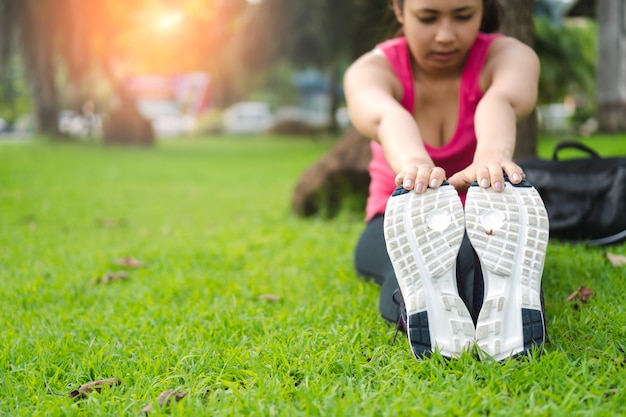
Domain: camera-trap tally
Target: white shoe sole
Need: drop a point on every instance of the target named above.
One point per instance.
(423, 233)
(509, 231)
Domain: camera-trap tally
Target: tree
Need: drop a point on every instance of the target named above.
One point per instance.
(611, 61)
(611, 69)
(568, 64)
(32, 24)
(73, 39)
(324, 34)
(13, 91)
(52, 35)
(519, 24)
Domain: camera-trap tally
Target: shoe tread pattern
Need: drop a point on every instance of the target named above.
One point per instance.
(512, 254)
(424, 254)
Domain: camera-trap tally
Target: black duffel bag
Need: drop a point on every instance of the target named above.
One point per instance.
(585, 198)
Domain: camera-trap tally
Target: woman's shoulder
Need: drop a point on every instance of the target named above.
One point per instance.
(502, 44)
(374, 59)
(375, 70)
(372, 67)
(383, 55)
(393, 43)
(506, 50)
(506, 53)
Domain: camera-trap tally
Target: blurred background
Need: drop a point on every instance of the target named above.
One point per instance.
(141, 70)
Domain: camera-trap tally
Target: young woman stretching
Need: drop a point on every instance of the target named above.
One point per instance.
(464, 235)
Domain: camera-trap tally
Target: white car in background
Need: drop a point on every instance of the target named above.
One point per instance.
(166, 117)
(247, 117)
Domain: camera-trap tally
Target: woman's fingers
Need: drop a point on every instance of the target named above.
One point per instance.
(420, 177)
(514, 172)
(488, 174)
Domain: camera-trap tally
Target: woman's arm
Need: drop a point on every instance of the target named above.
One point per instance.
(510, 96)
(373, 95)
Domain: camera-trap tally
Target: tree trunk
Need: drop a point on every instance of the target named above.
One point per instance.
(611, 69)
(7, 23)
(519, 24)
(37, 39)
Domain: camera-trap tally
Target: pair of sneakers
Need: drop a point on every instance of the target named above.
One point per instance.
(509, 232)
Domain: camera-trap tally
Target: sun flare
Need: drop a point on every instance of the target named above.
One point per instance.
(170, 20)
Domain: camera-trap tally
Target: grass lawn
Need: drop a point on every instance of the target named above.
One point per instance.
(245, 307)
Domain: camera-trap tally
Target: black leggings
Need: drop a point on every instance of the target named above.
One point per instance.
(372, 262)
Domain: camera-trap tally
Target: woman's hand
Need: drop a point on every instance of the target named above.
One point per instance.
(420, 176)
(488, 173)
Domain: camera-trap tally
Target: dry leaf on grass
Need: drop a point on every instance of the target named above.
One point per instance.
(269, 297)
(616, 260)
(129, 261)
(90, 387)
(109, 277)
(580, 296)
(111, 223)
(165, 399)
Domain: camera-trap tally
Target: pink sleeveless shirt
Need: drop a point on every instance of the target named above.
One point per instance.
(456, 154)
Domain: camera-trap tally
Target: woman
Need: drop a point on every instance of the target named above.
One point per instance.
(441, 105)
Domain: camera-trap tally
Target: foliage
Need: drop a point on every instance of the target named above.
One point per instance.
(275, 86)
(318, 33)
(14, 94)
(322, 34)
(248, 309)
(74, 41)
(568, 60)
(67, 44)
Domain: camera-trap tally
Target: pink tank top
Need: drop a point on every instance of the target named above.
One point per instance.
(455, 155)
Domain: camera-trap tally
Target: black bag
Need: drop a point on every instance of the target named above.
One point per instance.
(585, 198)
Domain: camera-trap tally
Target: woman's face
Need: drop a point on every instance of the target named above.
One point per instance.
(440, 33)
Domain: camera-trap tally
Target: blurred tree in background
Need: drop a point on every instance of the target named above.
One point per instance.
(568, 60)
(568, 65)
(62, 42)
(322, 34)
(611, 70)
(76, 50)
(518, 23)
(66, 45)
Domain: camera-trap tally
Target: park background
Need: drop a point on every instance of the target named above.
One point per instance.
(157, 250)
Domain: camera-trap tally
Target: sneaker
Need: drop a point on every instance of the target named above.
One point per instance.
(423, 233)
(396, 297)
(509, 231)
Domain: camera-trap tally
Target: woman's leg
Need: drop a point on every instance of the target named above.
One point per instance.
(372, 262)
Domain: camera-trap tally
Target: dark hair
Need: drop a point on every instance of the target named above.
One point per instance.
(493, 15)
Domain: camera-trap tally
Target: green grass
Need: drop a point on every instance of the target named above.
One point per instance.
(212, 221)
(605, 145)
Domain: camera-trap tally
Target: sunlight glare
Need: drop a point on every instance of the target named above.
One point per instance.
(167, 22)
